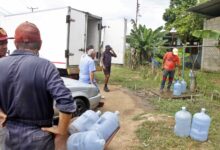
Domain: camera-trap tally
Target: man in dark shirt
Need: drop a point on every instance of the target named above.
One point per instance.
(29, 85)
(106, 62)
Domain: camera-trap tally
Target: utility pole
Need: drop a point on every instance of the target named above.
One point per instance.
(137, 11)
(32, 8)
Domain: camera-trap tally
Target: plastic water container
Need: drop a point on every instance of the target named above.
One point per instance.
(88, 140)
(107, 124)
(183, 123)
(183, 86)
(200, 126)
(177, 88)
(84, 122)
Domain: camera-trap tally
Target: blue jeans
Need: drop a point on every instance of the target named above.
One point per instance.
(25, 137)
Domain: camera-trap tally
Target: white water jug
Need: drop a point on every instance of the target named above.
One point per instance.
(200, 126)
(84, 122)
(177, 88)
(183, 123)
(88, 140)
(107, 124)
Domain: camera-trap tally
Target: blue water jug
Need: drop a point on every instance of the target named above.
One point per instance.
(177, 88)
(183, 86)
(200, 126)
(183, 123)
(107, 124)
(87, 140)
(84, 122)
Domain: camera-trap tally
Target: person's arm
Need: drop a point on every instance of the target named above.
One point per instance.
(102, 60)
(164, 59)
(63, 97)
(60, 131)
(91, 75)
(178, 65)
(64, 103)
(92, 70)
(62, 128)
(113, 53)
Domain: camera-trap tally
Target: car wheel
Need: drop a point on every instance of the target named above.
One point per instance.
(81, 106)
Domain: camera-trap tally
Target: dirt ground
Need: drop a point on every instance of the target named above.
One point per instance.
(129, 106)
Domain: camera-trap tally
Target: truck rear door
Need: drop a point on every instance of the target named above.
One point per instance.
(77, 36)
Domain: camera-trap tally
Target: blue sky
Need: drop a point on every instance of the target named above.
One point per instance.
(151, 11)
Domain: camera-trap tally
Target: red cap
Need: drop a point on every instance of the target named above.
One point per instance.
(3, 35)
(27, 32)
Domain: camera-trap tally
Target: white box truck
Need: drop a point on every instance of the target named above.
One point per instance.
(65, 32)
(114, 33)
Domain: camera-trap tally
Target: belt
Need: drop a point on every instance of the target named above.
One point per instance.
(41, 123)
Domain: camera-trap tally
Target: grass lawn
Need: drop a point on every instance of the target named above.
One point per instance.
(159, 134)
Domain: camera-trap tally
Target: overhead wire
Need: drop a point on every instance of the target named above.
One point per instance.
(4, 11)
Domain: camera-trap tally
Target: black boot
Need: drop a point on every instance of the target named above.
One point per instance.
(106, 88)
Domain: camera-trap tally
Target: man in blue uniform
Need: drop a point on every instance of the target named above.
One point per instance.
(29, 85)
(87, 68)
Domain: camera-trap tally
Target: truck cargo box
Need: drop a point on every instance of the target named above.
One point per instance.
(65, 32)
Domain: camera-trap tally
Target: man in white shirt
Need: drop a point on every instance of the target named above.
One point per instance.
(87, 68)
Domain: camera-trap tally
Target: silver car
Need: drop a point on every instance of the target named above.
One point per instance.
(86, 95)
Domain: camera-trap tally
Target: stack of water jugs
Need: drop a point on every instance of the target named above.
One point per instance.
(179, 87)
(91, 131)
(199, 128)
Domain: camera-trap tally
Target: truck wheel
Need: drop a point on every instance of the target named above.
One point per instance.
(81, 106)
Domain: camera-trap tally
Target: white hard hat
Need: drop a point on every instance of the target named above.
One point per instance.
(175, 51)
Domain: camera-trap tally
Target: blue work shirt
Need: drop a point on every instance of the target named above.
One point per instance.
(28, 86)
(86, 66)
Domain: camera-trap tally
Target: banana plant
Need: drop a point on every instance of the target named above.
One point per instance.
(145, 39)
(208, 34)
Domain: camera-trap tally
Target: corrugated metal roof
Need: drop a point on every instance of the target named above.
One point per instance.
(210, 8)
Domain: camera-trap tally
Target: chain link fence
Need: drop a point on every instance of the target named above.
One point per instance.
(194, 57)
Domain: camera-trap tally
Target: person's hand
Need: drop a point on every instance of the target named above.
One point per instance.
(60, 138)
(103, 67)
(54, 129)
(3, 117)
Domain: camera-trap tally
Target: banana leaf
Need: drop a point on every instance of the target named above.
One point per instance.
(207, 34)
